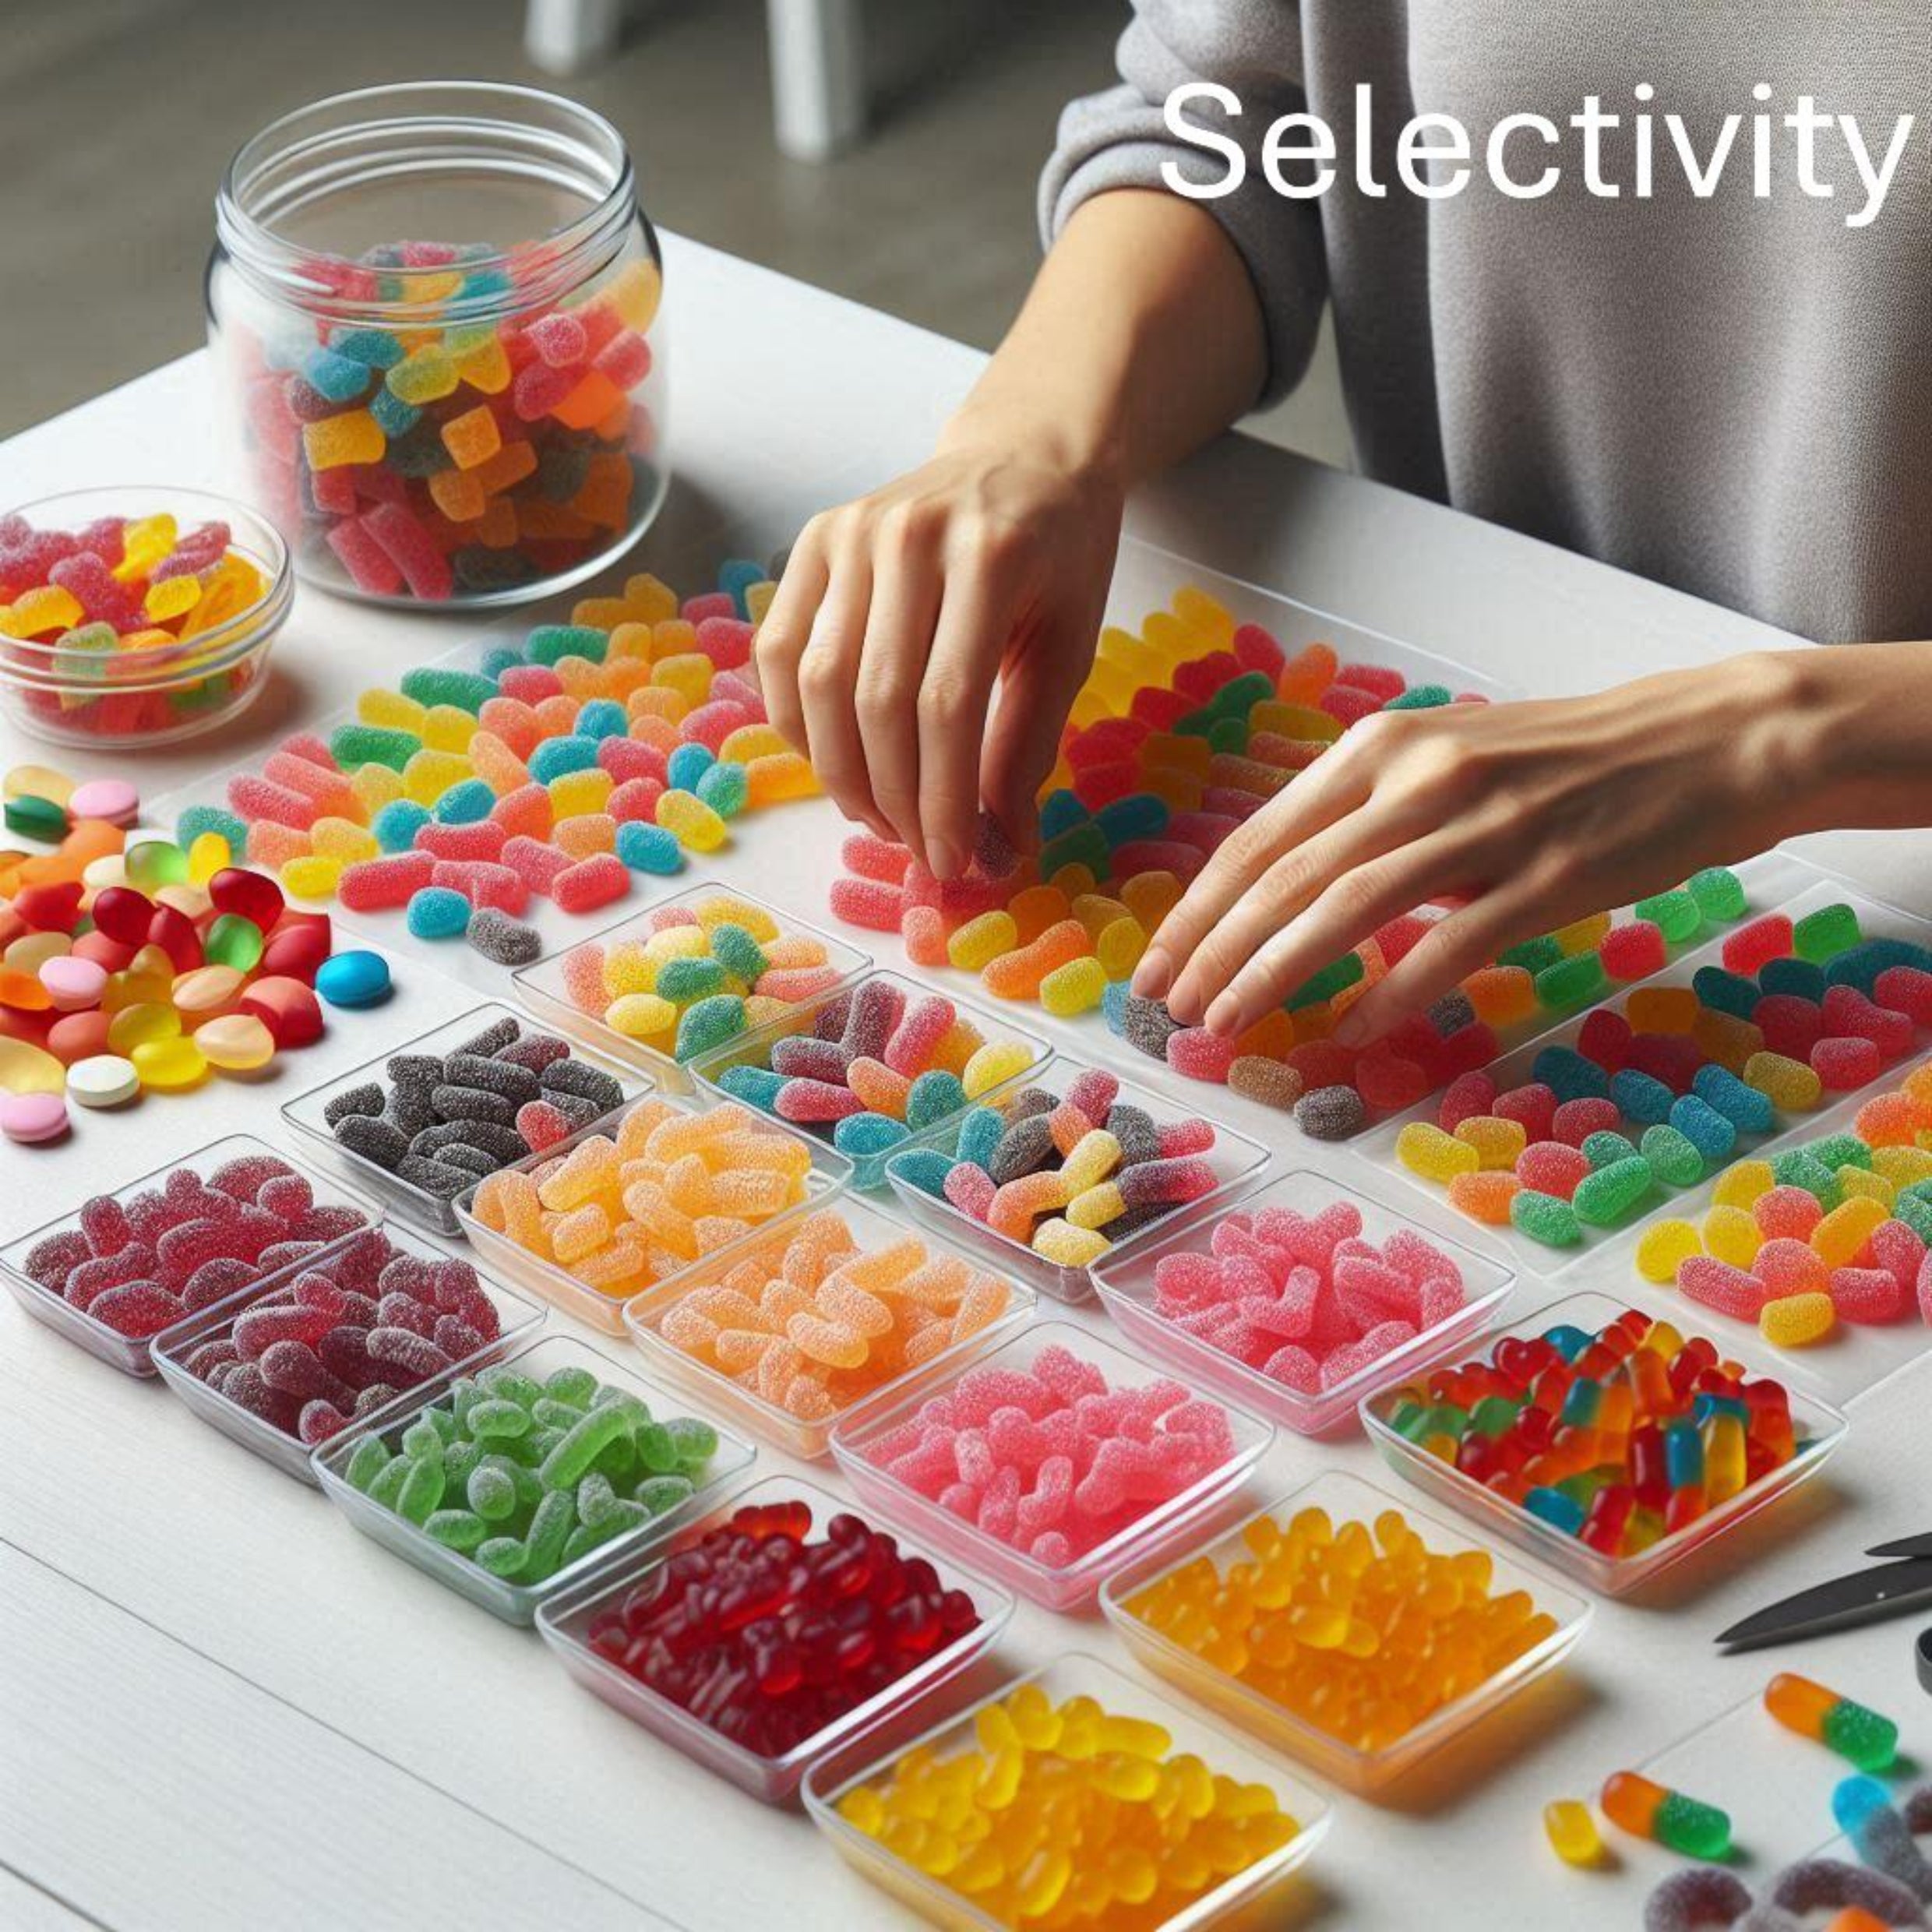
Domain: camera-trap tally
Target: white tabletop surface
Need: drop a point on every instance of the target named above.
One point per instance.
(221, 1708)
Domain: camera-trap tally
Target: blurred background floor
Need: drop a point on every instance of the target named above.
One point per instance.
(117, 118)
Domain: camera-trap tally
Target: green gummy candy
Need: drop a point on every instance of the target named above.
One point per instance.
(596, 1498)
(1603, 1198)
(1571, 981)
(1606, 1148)
(231, 940)
(1672, 1156)
(1420, 697)
(492, 1492)
(693, 1438)
(709, 1023)
(578, 1447)
(1690, 1826)
(1719, 893)
(502, 1556)
(1820, 935)
(549, 1530)
(1228, 735)
(681, 980)
(1914, 1208)
(493, 1417)
(549, 642)
(1861, 1735)
(510, 1385)
(421, 1489)
(1798, 1167)
(577, 1387)
(353, 746)
(456, 1528)
(1335, 977)
(664, 1492)
(1493, 1414)
(1534, 956)
(1838, 1152)
(422, 1438)
(35, 818)
(156, 862)
(1676, 915)
(367, 1460)
(386, 1486)
(1545, 1218)
(444, 684)
(736, 951)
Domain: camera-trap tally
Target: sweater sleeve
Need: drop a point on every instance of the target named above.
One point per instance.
(1118, 138)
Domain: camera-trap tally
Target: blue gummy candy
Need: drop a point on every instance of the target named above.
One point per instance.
(393, 416)
(736, 576)
(1707, 1129)
(377, 348)
(1795, 976)
(1570, 1075)
(923, 1168)
(1721, 1090)
(1562, 1512)
(685, 765)
(866, 1135)
(979, 1134)
(726, 788)
(1641, 1096)
(341, 378)
(435, 912)
(1139, 815)
(1855, 1800)
(1113, 1004)
(353, 979)
(649, 848)
(602, 718)
(1061, 813)
(199, 819)
(557, 756)
(396, 826)
(500, 658)
(755, 1086)
(1860, 965)
(935, 1094)
(1727, 991)
(1568, 1341)
(465, 804)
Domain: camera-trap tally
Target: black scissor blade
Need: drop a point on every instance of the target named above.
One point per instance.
(1903, 1546)
(1888, 1589)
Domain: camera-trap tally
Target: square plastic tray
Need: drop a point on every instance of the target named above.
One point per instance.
(1235, 1159)
(173, 1348)
(1820, 1430)
(306, 1113)
(133, 1355)
(564, 1624)
(868, 1171)
(828, 1177)
(1073, 1674)
(1125, 1280)
(1346, 1498)
(542, 989)
(1076, 1584)
(518, 1602)
(873, 1228)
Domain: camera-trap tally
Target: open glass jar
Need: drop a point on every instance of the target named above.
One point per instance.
(434, 314)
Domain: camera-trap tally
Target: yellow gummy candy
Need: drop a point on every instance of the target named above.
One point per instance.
(1742, 1183)
(1837, 1238)
(691, 821)
(1423, 1148)
(1664, 1246)
(1076, 987)
(981, 940)
(994, 1063)
(1733, 1234)
(310, 876)
(207, 856)
(1793, 1321)
(170, 1063)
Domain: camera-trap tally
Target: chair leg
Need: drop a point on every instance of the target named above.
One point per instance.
(565, 36)
(818, 76)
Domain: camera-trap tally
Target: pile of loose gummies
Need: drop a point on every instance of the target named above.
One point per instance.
(1181, 733)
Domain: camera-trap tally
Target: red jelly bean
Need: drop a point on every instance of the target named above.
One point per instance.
(249, 895)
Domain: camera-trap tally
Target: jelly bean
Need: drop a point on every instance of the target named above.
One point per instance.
(236, 1042)
(353, 979)
(1679, 1823)
(32, 1119)
(1860, 1735)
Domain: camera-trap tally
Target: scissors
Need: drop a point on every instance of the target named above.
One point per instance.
(1890, 1588)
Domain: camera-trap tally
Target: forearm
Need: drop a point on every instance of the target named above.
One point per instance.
(1141, 339)
(1863, 717)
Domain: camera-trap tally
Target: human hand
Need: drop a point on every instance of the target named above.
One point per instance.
(974, 585)
(1521, 817)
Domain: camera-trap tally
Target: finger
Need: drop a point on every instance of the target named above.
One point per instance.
(1445, 955)
(780, 645)
(828, 677)
(1045, 666)
(905, 606)
(1282, 953)
(1329, 789)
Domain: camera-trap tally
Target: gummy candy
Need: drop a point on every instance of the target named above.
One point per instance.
(1860, 1735)
(1679, 1823)
(1572, 1832)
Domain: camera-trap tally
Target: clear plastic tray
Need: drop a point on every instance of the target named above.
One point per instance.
(754, 1049)
(1126, 1281)
(133, 1355)
(872, 1227)
(1160, 1529)
(541, 987)
(1857, 1359)
(1072, 1674)
(305, 1113)
(828, 1177)
(1346, 1498)
(518, 1602)
(518, 1317)
(1819, 1427)
(1804, 893)
(564, 1624)
(1235, 1159)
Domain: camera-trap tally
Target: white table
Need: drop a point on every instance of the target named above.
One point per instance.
(221, 1708)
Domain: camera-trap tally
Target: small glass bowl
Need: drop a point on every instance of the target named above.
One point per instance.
(1125, 1282)
(516, 1317)
(868, 1171)
(564, 1624)
(1346, 1498)
(541, 987)
(157, 695)
(827, 1177)
(1235, 1159)
(518, 1603)
(1076, 1584)
(307, 1114)
(872, 1227)
(1821, 1428)
(133, 1354)
(1072, 1674)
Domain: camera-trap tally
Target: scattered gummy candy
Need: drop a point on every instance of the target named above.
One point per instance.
(1645, 1809)
(127, 627)
(352, 1331)
(186, 1239)
(841, 1617)
(1618, 1438)
(812, 1322)
(1358, 1629)
(1051, 1813)
(1861, 1736)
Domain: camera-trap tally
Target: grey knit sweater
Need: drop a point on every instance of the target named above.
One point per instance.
(1732, 395)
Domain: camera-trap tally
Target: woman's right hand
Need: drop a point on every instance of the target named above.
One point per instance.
(902, 615)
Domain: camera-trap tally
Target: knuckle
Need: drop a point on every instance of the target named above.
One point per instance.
(944, 702)
(997, 543)
(907, 525)
(821, 675)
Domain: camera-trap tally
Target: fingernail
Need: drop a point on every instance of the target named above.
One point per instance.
(1224, 1016)
(942, 859)
(1154, 975)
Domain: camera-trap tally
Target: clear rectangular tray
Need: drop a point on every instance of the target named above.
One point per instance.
(541, 987)
(133, 1355)
(1346, 1498)
(1077, 1583)
(518, 1602)
(564, 1624)
(1126, 1281)
(1072, 1674)
(1822, 1429)
(828, 1177)
(173, 1348)
(306, 1113)
(872, 1227)
(1805, 892)
(868, 1171)
(1235, 1159)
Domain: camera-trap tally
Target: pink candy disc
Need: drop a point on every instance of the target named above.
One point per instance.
(73, 983)
(113, 800)
(29, 1117)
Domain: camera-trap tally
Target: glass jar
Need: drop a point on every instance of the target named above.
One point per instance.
(434, 316)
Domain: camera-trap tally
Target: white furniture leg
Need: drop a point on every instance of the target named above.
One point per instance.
(818, 77)
(565, 36)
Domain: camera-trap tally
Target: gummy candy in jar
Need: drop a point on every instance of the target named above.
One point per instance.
(443, 381)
